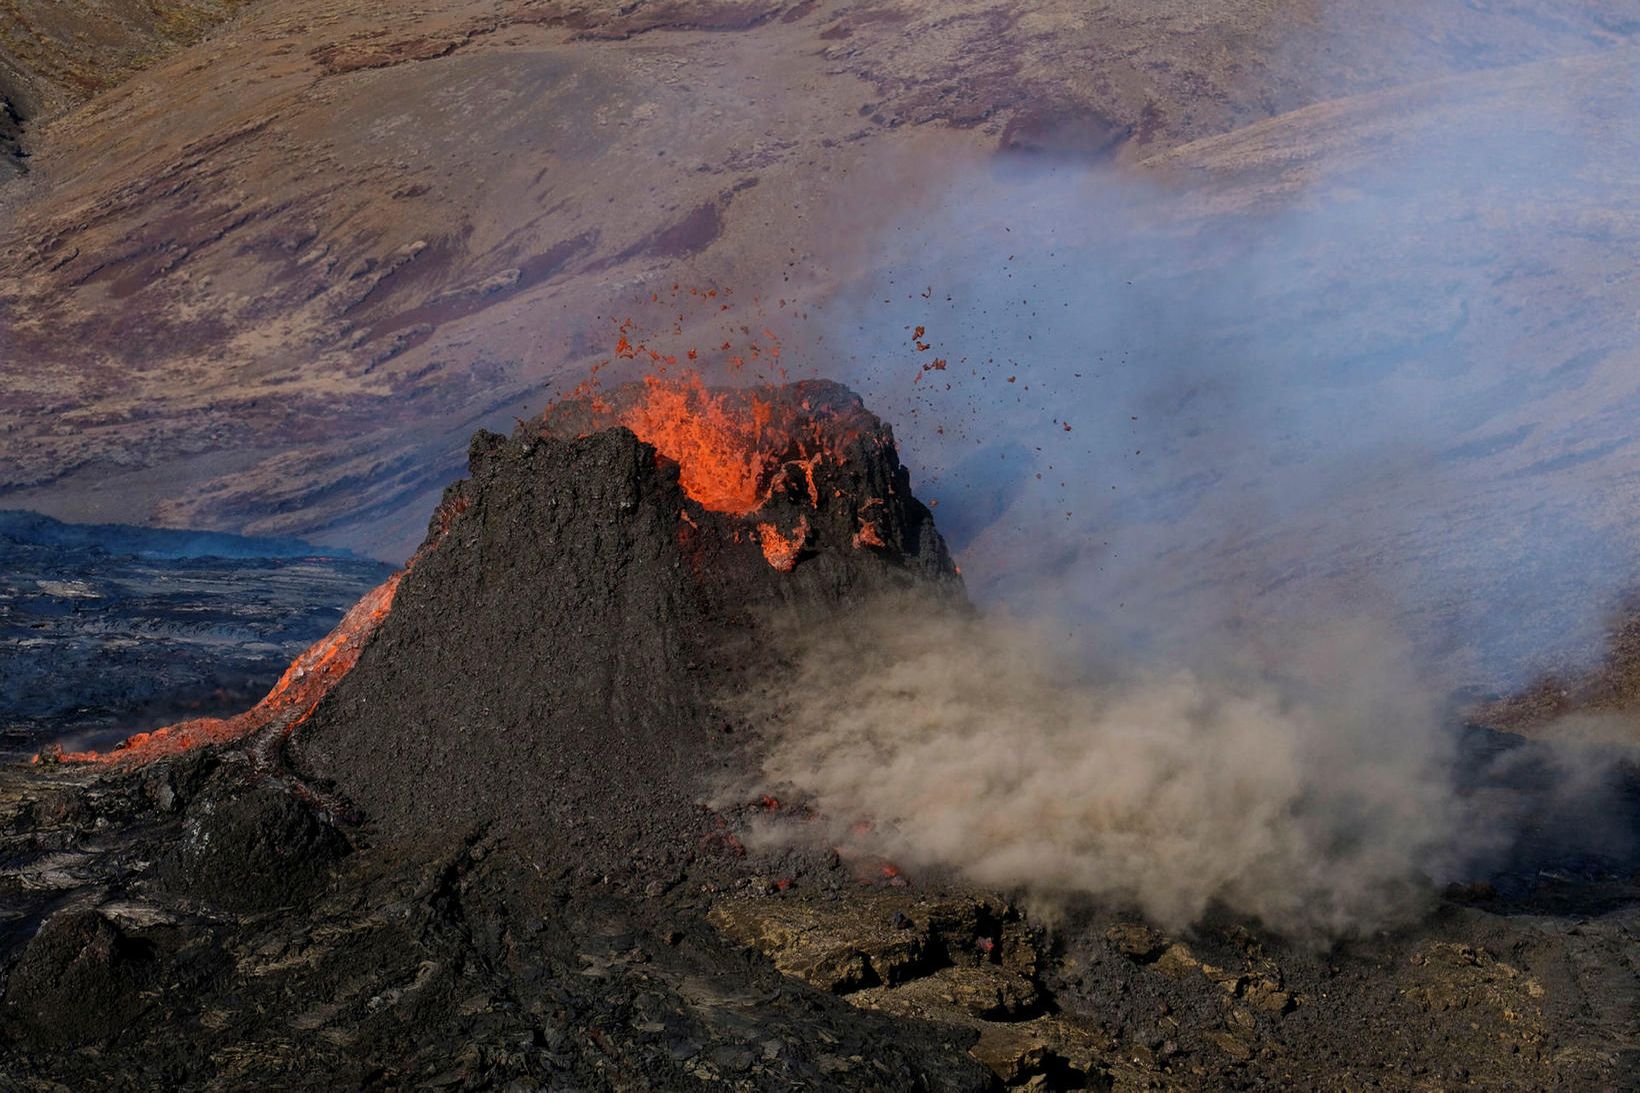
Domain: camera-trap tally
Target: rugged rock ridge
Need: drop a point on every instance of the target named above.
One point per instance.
(12, 154)
(55, 56)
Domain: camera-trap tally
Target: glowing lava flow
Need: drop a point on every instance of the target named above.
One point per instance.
(782, 550)
(309, 678)
(724, 451)
(737, 449)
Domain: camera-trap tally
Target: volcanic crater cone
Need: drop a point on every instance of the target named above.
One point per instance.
(549, 665)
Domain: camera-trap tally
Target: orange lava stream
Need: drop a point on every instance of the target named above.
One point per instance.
(293, 699)
(721, 445)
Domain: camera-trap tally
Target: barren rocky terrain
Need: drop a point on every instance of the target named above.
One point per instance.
(54, 57)
(491, 857)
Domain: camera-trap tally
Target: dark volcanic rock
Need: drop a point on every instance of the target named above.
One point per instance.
(551, 660)
(536, 899)
(84, 978)
(12, 155)
(476, 968)
(80, 979)
(249, 850)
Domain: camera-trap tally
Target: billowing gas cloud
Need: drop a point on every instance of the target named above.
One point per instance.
(1283, 457)
(1309, 793)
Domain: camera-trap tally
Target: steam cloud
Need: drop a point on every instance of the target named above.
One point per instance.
(1374, 378)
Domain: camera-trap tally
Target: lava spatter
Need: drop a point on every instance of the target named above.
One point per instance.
(780, 548)
(724, 447)
(741, 450)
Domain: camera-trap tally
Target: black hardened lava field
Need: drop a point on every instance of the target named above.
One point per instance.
(109, 628)
(491, 834)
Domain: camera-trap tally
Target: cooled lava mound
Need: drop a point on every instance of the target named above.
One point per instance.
(552, 656)
(473, 815)
(549, 664)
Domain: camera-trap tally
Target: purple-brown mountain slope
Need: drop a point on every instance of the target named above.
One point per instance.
(273, 281)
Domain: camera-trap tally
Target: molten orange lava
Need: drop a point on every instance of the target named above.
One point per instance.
(782, 550)
(721, 445)
(299, 691)
(292, 700)
(736, 449)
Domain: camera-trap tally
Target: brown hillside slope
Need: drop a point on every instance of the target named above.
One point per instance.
(54, 56)
(272, 283)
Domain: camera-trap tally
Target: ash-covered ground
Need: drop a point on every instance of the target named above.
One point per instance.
(109, 629)
(508, 848)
